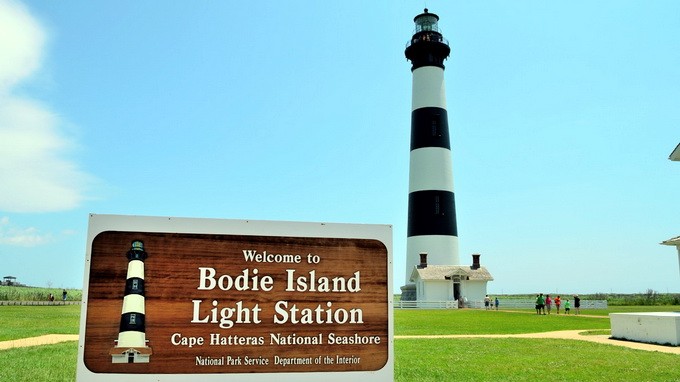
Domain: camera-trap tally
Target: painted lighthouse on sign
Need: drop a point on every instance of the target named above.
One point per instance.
(433, 270)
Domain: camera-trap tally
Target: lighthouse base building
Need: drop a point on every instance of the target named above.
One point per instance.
(461, 284)
(131, 355)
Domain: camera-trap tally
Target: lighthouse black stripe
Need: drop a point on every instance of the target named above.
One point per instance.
(136, 254)
(132, 321)
(432, 212)
(430, 128)
(427, 49)
(134, 285)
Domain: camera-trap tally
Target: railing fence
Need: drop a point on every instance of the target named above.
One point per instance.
(503, 304)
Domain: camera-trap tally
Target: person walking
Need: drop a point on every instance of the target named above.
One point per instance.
(567, 306)
(540, 304)
(63, 295)
(548, 303)
(558, 302)
(577, 304)
(487, 302)
(538, 307)
(496, 303)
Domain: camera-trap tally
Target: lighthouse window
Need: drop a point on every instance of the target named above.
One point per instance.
(435, 128)
(135, 284)
(133, 319)
(436, 205)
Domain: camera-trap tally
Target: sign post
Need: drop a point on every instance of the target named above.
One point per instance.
(167, 297)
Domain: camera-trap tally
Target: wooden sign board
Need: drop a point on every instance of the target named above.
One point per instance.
(164, 298)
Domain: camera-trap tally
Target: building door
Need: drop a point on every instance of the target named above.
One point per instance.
(456, 288)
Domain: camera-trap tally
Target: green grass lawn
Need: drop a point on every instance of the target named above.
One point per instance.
(31, 321)
(464, 359)
(47, 363)
(474, 321)
(505, 359)
(614, 309)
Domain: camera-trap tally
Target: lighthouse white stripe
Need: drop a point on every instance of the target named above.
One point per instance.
(131, 339)
(135, 269)
(430, 169)
(440, 249)
(428, 88)
(133, 303)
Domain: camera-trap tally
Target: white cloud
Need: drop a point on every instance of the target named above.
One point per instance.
(36, 174)
(21, 237)
(21, 44)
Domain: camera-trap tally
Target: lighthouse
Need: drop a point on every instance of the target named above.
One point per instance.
(432, 231)
(131, 346)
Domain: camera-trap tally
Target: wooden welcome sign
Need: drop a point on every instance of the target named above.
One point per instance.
(167, 297)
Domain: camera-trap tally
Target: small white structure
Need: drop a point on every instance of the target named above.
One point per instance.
(450, 282)
(650, 327)
(675, 155)
(674, 242)
(657, 328)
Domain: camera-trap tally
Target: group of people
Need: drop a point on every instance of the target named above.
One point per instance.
(544, 304)
(488, 304)
(63, 296)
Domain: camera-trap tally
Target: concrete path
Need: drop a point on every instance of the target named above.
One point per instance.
(35, 341)
(561, 334)
(565, 335)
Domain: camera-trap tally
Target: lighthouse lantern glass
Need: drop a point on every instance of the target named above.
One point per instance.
(426, 23)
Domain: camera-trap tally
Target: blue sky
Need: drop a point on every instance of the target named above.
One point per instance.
(562, 118)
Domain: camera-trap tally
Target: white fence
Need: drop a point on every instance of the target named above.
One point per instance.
(426, 304)
(503, 304)
(531, 304)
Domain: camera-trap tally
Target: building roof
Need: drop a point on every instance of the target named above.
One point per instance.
(443, 272)
(675, 155)
(672, 241)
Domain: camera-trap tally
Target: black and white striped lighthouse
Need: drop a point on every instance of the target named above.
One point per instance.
(131, 346)
(432, 226)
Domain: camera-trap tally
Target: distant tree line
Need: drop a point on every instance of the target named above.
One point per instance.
(649, 297)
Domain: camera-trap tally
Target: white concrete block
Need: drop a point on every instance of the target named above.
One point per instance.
(649, 327)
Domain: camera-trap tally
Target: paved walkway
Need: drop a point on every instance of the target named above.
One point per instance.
(560, 334)
(565, 335)
(35, 341)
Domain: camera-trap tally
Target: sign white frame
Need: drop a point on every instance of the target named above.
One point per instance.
(102, 223)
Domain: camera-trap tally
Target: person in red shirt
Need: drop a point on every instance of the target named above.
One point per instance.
(558, 302)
